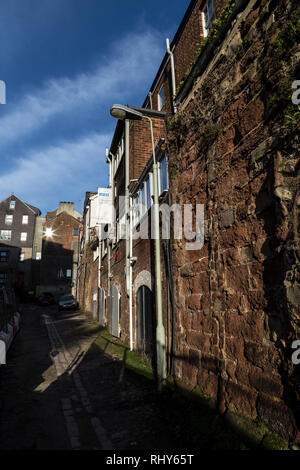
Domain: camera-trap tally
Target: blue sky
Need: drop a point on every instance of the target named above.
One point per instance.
(65, 62)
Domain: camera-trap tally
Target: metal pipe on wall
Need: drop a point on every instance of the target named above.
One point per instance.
(127, 124)
(172, 75)
(130, 281)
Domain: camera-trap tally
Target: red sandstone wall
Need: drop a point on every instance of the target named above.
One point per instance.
(238, 298)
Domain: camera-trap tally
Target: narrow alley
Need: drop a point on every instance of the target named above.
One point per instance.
(63, 389)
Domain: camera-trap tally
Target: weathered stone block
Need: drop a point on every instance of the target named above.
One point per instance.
(200, 283)
(189, 373)
(199, 340)
(293, 295)
(265, 383)
(236, 277)
(208, 382)
(210, 363)
(227, 218)
(276, 415)
(194, 357)
(193, 301)
(242, 398)
(262, 149)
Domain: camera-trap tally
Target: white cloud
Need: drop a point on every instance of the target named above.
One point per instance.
(59, 172)
(130, 66)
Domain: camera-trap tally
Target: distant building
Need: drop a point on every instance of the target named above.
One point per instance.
(88, 274)
(60, 250)
(17, 233)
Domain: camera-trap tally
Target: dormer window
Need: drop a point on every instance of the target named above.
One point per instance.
(209, 16)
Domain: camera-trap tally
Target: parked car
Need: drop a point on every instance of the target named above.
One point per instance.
(67, 302)
(46, 298)
(29, 296)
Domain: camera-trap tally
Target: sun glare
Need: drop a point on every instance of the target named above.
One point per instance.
(49, 232)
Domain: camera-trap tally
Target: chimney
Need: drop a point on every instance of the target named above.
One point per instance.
(66, 207)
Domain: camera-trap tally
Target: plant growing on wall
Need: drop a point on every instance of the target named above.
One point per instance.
(216, 26)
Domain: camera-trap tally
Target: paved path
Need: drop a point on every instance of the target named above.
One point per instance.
(57, 392)
(60, 390)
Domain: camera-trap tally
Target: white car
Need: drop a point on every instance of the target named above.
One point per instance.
(67, 302)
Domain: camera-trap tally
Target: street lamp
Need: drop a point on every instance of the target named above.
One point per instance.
(128, 114)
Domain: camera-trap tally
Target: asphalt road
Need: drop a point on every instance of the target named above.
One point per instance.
(57, 392)
(60, 391)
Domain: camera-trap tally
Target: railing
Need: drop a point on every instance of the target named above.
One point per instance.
(8, 306)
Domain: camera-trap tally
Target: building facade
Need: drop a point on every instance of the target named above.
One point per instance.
(18, 222)
(88, 273)
(226, 137)
(60, 250)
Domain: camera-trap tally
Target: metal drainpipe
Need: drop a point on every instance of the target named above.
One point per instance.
(172, 75)
(127, 123)
(99, 257)
(160, 330)
(113, 221)
(130, 281)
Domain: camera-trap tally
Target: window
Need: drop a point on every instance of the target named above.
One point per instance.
(161, 98)
(163, 175)
(75, 231)
(25, 219)
(148, 192)
(209, 16)
(3, 256)
(5, 235)
(38, 255)
(22, 257)
(8, 219)
(69, 273)
(12, 204)
(23, 236)
(3, 278)
(142, 200)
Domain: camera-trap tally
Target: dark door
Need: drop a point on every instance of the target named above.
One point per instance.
(145, 320)
(114, 311)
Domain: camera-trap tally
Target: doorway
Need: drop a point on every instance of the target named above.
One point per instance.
(145, 320)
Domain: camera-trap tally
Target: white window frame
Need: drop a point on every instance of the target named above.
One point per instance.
(148, 192)
(25, 218)
(38, 256)
(211, 16)
(11, 218)
(23, 237)
(160, 102)
(12, 204)
(7, 236)
(160, 190)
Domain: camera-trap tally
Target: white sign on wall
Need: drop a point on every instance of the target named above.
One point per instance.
(105, 205)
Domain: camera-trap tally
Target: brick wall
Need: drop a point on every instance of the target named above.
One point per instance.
(58, 254)
(140, 147)
(185, 52)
